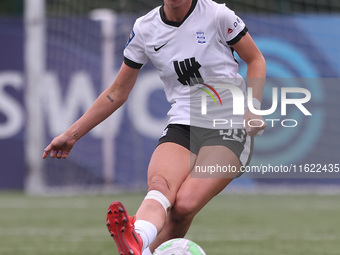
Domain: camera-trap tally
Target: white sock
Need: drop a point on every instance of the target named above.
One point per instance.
(147, 251)
(147, 232)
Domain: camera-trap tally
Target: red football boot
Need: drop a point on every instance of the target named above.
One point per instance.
(121, 228)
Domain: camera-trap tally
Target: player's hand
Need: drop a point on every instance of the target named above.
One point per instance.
(60, 147)
(257, 124)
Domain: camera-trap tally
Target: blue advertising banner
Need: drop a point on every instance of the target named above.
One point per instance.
(12, 113)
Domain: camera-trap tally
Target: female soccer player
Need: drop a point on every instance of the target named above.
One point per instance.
(191, 44)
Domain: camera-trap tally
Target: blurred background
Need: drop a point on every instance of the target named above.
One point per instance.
(56, 56)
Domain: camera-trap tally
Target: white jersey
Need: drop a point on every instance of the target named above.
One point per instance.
(191, 57)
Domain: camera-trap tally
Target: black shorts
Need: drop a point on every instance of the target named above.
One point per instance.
(194, 138)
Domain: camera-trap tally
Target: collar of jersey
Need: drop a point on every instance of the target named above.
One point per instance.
(175, 23)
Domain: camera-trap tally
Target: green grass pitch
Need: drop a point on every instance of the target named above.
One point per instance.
(230, 224)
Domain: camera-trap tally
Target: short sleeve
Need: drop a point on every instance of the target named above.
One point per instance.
(134, 52)
(231, 27)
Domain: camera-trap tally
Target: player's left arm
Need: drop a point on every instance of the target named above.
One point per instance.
(256, 75)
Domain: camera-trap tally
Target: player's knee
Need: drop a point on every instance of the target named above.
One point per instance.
(185, 208)
(162, 185)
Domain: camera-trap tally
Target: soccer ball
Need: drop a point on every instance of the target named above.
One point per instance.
(179, 246)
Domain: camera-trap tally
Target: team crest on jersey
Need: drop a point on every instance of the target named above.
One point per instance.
(200, 36)
(132, 35)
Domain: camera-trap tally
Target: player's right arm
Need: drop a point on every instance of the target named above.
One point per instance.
(107, 103)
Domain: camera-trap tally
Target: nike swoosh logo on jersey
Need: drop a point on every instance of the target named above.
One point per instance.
(157, 49)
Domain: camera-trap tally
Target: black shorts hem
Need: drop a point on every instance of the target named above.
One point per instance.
(194, 138)
(176, 133)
